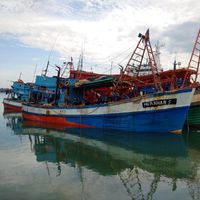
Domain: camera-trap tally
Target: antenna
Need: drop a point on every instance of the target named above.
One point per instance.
(157, 54)
(20, 76)
(71, 66)
(111, 66)
(80, 64)
(175, 63)
(34, 73)
(80, 61)
(46, 69)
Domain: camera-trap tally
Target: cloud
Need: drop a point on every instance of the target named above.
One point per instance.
(181, 37)
(104, 28)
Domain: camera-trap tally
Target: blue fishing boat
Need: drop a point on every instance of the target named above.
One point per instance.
(123, 102)
(18, 95)
(21, 92)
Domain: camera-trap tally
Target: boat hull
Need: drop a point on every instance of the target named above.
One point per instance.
(193, 118)
(13, 105)
(164, 112)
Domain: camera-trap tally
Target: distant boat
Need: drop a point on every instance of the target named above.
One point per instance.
(18, 94)
(12, 104)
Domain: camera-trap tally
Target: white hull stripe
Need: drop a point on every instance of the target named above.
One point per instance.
(12, 102)
(169, 101)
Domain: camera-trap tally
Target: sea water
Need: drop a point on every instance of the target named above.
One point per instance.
(44, 161)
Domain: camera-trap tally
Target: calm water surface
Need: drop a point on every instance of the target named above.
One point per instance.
(39, 162)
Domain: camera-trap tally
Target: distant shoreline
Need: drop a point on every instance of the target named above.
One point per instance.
(4, 90)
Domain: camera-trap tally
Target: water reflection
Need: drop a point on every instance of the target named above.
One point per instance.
(140, 161)
(192, 139)
(13, 121)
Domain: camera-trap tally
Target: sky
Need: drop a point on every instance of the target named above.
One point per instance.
(35, 31)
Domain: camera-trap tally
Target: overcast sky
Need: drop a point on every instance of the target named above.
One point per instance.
(106, 29)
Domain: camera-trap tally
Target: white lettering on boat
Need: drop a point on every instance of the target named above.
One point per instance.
(160, 102)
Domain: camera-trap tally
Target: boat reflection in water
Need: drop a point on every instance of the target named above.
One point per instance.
(13, 121)
(140, 161)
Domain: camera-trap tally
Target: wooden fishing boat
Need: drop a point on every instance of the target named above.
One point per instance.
(161, 112)
(12, 104)
(124, 102)
(18, 94)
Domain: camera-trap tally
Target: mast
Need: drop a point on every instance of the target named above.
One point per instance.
(46, 69)
(71, 67)
(20, 75)
(34, 73)
(80, 62)
(174, 64)
(157, 55)
(57, 85)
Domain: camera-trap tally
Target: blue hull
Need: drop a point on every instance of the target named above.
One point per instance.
(156, 121)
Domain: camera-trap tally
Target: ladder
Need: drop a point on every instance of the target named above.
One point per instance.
(194, 62)
(131, 182)
(137, 58)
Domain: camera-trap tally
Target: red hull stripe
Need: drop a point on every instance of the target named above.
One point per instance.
(11, 107)
(53, 120)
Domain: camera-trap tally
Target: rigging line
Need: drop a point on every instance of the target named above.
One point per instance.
(58, 35)
(52, 66)
(109, 58)
(92, 110)
(50, 53)
(124, 58)
(117, 56)
(116, 65)
(107, 69)
(106, 62)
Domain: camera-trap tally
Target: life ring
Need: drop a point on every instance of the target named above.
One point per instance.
(66, 83)
(61, 85)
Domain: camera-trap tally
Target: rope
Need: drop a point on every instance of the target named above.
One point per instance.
(56, 112)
